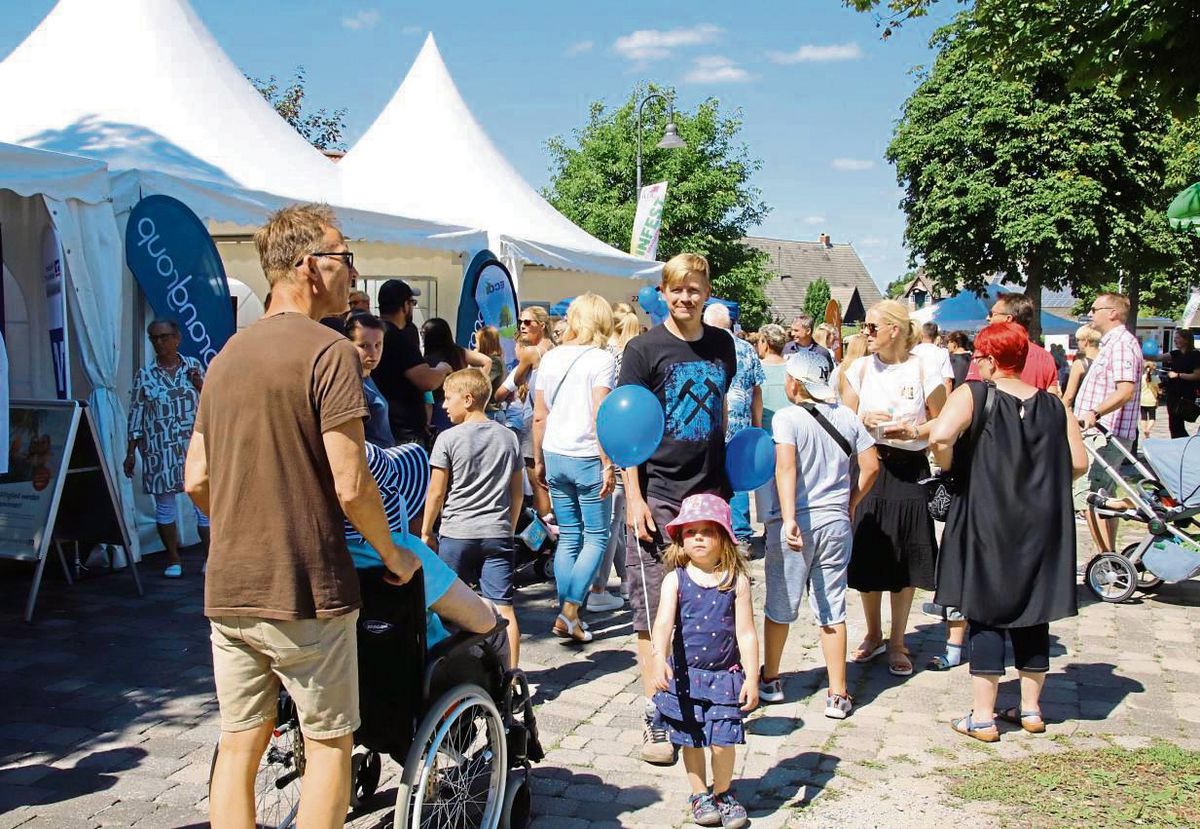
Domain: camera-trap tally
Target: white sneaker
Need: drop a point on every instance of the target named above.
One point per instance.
(771, 691)
(602, 601)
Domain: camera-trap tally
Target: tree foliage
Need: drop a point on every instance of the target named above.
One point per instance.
(816, 297)
(711, 203)
(321, 128)
(1054, 187)
(1142, 48)
(899, 285)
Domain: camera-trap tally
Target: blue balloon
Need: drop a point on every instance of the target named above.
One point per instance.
(648, 298)
(1150, 348)
(750, 459)
(629, 425)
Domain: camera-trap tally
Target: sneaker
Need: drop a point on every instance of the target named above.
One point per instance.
(838, 706)
(733, 814)
(624, 592)
(770, 691)
(704, 810)
(656, 744)
(933, 610)
(599, 602)
(743, 548)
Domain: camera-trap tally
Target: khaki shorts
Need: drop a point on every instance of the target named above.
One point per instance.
(316, 660)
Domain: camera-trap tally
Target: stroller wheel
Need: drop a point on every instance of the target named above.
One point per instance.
(1111, 577)
(543, 567)
(1146, 580)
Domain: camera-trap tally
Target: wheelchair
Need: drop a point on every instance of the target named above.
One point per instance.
(459, 723)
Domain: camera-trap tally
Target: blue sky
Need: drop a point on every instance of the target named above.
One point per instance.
(819, 91)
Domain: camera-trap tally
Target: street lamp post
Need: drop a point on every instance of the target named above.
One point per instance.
(670, 139)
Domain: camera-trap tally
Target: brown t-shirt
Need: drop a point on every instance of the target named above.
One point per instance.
(277, 549)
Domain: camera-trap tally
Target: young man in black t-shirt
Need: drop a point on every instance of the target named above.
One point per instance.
(688, 366)
(402, 375)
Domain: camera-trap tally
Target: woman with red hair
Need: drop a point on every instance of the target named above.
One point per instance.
(1008, 551)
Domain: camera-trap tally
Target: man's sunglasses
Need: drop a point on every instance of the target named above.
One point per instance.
(345, 255)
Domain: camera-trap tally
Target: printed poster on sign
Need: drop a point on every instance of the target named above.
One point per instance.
(56, 308)
(174, 260)
(38, 440)
(647, 221)
(489, 298)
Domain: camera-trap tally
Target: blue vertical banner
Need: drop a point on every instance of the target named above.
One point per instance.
(173, 258)
(488, 298)
(56, 308)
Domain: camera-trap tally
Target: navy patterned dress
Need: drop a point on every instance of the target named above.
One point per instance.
(701, 707)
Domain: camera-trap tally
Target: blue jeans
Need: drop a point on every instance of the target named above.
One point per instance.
(583, 518)
(740, 505)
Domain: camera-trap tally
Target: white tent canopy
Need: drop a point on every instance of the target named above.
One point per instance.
(75, 195)
(143, 86)
(427, 155)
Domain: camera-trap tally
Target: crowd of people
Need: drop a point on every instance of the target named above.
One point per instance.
(366, 409)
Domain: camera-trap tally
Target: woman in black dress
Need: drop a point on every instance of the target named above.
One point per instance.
(1008, 553)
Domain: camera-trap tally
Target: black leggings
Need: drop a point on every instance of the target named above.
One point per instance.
(1031, 649)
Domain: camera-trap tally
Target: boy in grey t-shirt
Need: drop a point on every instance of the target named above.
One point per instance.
(817, 446)
(475, 487)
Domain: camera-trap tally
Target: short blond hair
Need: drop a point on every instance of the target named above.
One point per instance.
(682, 266)
(589, 321)
(1087, 334)
(289, 235)
(470, 381)
(1120, 303)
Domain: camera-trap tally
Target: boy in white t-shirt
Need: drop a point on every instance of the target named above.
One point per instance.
(808, 534)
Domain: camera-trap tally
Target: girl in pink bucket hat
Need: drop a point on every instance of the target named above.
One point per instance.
(706, 619)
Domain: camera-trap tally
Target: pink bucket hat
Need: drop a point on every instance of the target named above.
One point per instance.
(697, 508)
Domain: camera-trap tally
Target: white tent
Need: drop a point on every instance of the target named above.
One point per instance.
(72, 194)
(427, 155)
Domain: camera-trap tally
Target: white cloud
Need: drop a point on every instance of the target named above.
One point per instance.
(656, 44)
(715, 69)
(412, 30)
(579, 48)
(814, 220)
(818, 54)
(365, 19)
(871, 242)
(851, 164)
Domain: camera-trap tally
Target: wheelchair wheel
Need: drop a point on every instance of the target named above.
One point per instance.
(1146, 580)
(455, 773)
(1111, 577)
(366, 767)
(277, 783)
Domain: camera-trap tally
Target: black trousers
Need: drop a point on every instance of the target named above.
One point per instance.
(1175, 421)
(1031, 648)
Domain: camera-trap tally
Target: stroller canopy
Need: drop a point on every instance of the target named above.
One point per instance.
(1177, 464)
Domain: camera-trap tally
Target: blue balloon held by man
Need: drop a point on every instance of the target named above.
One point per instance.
(629, 425)
(750, 459)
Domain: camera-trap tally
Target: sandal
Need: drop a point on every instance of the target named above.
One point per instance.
(942, 662)
(571, 631)
(862, 654)
(899, 664)
(1031, 721)
(984, 732)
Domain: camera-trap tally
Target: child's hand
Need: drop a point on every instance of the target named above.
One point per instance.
(662, 673)
(749, 695)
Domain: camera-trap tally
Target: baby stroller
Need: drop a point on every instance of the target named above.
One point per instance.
(459, 723)
(1167, 501)
(534, 546)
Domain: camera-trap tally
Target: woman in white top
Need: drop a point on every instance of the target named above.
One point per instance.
(894, 547)
(572, 382)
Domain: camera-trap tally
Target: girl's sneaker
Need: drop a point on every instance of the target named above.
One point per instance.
(770, 691)
(704, 810)
(733, 814)
(838, 706)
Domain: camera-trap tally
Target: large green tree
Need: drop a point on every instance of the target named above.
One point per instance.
(816, 297)
(321, 128)
(1054, 186)
(711, 200)
(1142, 48)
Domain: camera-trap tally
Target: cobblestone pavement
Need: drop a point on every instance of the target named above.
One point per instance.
(109, 715)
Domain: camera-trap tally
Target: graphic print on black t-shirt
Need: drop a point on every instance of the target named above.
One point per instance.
(695, 399)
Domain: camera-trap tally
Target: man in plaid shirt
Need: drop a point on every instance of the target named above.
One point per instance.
(1109, 395)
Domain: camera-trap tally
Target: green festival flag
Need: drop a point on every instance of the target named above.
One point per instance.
(648, 220)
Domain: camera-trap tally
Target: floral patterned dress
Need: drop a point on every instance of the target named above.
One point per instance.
(162, 412)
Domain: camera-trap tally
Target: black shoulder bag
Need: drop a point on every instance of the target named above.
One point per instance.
(830, 428)
(942, 488)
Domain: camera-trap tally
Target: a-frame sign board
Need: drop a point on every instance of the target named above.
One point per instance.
(57, 489)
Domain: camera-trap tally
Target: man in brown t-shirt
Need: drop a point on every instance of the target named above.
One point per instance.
(276, 459)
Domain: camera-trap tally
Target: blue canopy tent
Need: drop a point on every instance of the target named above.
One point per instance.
(559, 309)
(965, 311)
